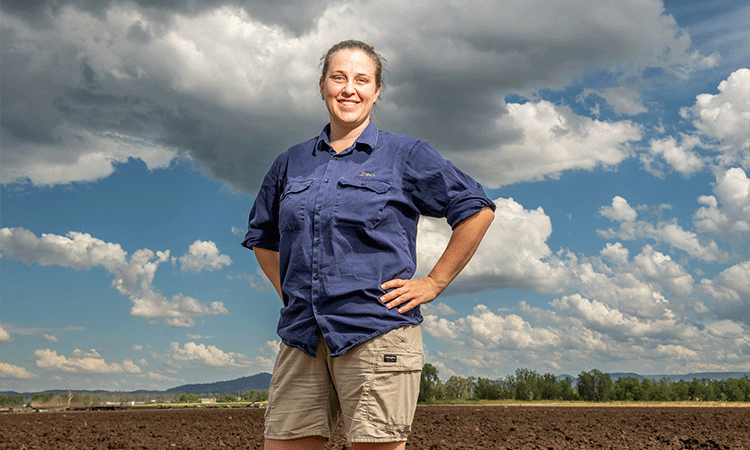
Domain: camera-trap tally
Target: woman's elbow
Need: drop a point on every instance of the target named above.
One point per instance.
(487, 214)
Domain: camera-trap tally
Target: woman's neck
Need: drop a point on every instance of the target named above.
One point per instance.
(342, 138)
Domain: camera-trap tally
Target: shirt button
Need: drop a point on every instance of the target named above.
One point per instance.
(315, 277)
(319, 208)
(327, 180)
(317, 241)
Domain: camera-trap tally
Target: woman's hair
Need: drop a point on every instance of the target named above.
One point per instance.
(355, 45)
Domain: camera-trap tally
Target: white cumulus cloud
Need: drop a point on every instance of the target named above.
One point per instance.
(731, 292)
(616, 253)
(202, 355)
(605, 319)
(160, 377)
(15, 372)
(4, 335)
(725, 117)
(512, 253)
(578, 329)
(620, 210)
(134, 275)
(544, 140)
(81, 361)
(79, 155)
(437, 309)
(665, 231)
(203, 255)
(680, 157)
(622, 99)
(726, 214)
(486, 330)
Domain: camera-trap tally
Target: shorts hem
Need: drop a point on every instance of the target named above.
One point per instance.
(289, 437)
(382, 440)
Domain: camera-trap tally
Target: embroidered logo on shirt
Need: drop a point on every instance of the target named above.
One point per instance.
(366, 174)
(389, 358)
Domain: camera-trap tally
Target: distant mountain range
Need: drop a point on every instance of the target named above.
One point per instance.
(258, 382)
(686, 377)
(262, 380)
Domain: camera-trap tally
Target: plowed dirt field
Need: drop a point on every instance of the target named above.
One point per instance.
(435, 428)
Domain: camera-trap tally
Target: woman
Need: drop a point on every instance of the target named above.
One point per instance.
(334, 229)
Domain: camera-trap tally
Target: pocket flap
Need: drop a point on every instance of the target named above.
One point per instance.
(374, 184)
(295, 186)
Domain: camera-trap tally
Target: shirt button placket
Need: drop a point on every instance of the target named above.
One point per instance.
(325, 196)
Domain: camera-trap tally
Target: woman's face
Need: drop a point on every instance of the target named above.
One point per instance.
(349, 89)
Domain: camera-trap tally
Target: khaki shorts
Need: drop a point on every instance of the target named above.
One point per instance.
(374, 387)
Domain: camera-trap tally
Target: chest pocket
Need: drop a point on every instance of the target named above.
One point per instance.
(360, 201)
(292, 204)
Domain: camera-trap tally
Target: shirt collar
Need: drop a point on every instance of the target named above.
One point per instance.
(365, 141)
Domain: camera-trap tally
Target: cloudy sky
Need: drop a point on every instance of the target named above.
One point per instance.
(612, 134)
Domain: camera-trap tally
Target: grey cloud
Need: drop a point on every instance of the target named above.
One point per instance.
(138, 33)
(447, 86)
(27, 111)
(34, 11)
(297, 16)
(232, 146)
(454, 115)
(455, 100)
(31, 111)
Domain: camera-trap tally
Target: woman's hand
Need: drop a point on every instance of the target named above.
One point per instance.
(409, 293)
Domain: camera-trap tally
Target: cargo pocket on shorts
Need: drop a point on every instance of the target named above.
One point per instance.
(394, 389)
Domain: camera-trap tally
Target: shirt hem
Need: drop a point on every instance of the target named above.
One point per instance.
(373, 335)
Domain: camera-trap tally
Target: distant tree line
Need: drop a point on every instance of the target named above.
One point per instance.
(11, 400)
(65, 399)
(525, 384)
(52, 399)
(245, 396)
(592, 386)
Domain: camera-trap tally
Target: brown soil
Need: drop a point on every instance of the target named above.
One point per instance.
(435, 428)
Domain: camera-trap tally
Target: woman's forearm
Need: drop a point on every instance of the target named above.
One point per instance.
(461, 247)
(463, 243)
(269, 264)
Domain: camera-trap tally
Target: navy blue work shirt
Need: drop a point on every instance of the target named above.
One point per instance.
(345, 223)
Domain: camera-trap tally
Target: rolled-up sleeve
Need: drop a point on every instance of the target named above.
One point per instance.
(439, 189)
(263, 223)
